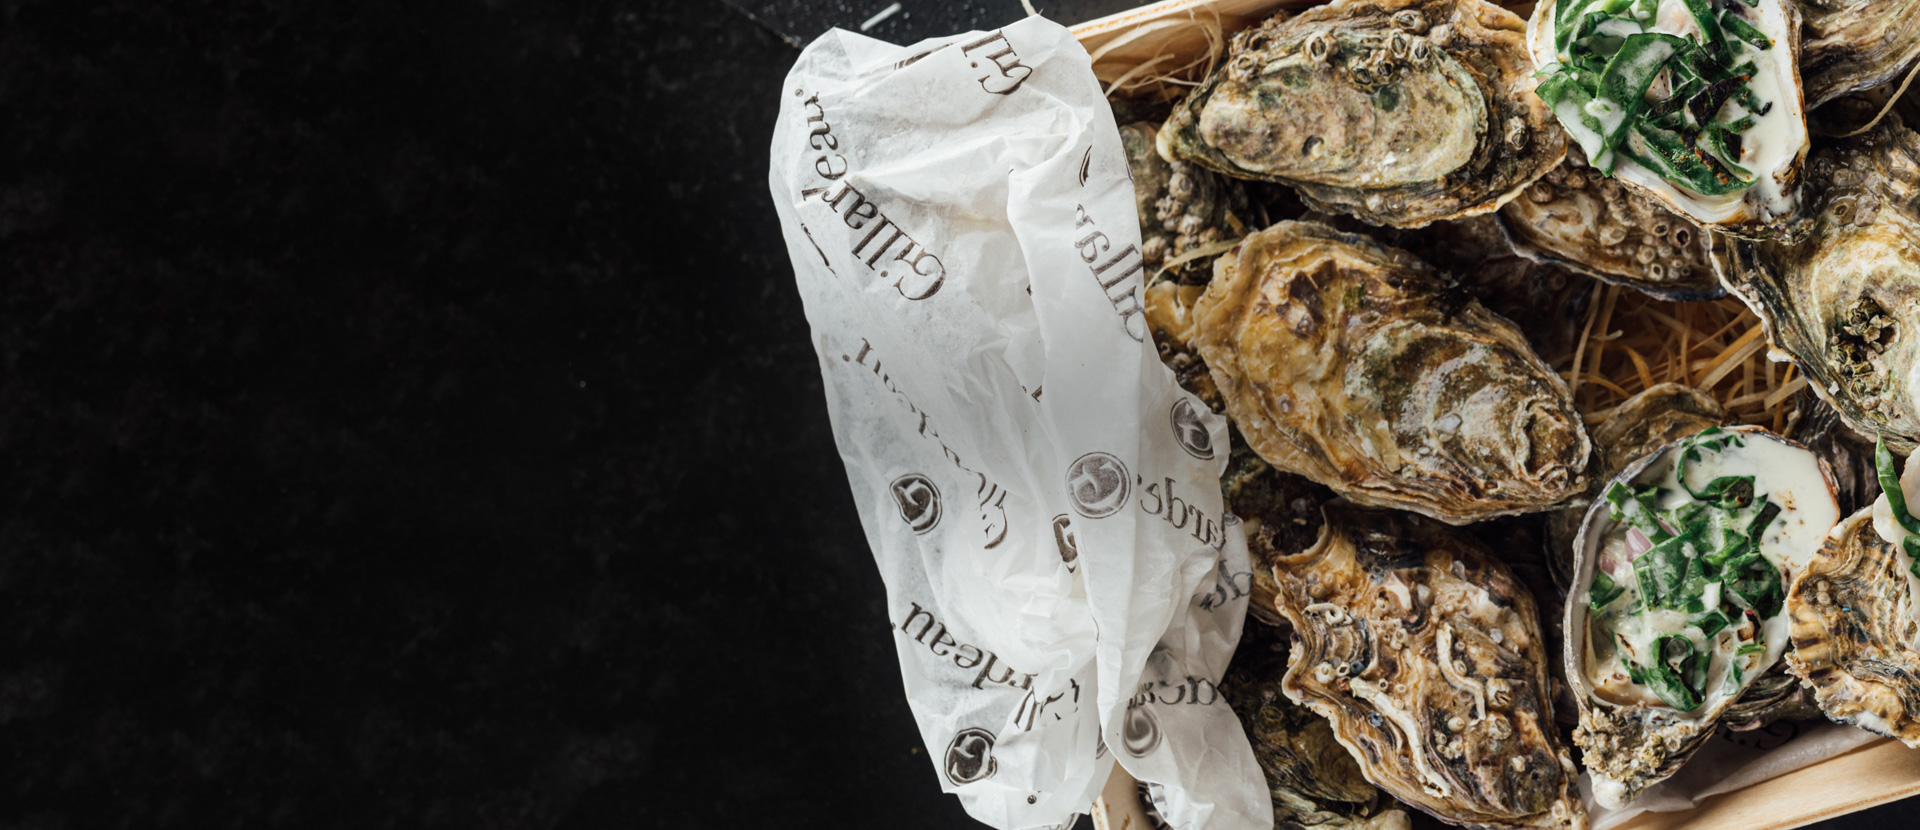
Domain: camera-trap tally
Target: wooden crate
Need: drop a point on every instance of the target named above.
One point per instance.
(1872, 774)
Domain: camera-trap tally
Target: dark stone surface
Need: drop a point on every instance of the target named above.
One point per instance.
(407, 420)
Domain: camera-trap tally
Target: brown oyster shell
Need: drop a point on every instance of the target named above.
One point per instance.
(1314, 782)
(1577, 217)
(1362, 368)
(1425, 653)
(1853, 625)
(1398, 112)
(1850, 45)
(1845, 303)
(1181, 206)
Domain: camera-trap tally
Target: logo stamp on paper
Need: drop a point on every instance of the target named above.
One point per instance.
(970, 756)
(1098, 484)
(1190, 432)
(1063, 538)
(919, 501)
(1140, 734)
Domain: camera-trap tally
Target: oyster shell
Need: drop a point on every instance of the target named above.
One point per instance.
(1425, 654)
(1849, 455)
(1855, 44)
(1181, 207)
(1724, 152)
(1856, 623)
(1360, 367)
(1399, 112)
(1653, 677)
(1577, 217)
(1775, 696)
(1844, 303)
(1313, 780)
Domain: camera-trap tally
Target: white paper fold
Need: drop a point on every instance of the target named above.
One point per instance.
(1065, 588)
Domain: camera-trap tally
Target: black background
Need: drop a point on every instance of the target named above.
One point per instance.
(407, 419)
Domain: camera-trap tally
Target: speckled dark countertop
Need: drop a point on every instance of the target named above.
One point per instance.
(407, 420)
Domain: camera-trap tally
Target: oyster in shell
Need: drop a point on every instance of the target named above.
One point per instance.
(1856, 622)
(1576, 217)
(1425, 654)
(1855, 44)
(1696, 105)
(1360, 367)
(1181, 207)
(1399, 112)
(1677, 606)
(1314, 782)
(1845, 302)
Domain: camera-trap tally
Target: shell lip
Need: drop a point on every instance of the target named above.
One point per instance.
(1595, 524)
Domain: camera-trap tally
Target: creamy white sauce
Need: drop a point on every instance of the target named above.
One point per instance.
(1767, 150)
(1785, 475)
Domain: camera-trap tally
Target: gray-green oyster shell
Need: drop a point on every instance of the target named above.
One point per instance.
(1398, 112)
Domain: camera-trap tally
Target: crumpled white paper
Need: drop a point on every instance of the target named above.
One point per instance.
(1065, 587)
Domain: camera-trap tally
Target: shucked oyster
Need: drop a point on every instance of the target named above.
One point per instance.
(1426, 655)
(1855, 44)
(1314, 782)
(1678, 603)
(1856, 617)
(1399, 112)
(1845, 302)
(1577, 217)
(1697, 104)
(1181, 207)
(1361, 368)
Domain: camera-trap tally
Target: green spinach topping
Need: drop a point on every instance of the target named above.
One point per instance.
(1897, 500)
(1609, 63)
(1701, 558)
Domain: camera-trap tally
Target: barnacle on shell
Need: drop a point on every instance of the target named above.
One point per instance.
(1579, 218)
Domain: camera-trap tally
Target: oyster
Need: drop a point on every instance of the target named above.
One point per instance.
(1775, 696)
(1856, 621)
(1697, 105)
(1844, 303)
(1576, 217)
(1170, 320)
(1182, 207)
(1425, 654)
(1677, 605)
(1313, 780)
(1645, 422)
(1399, 112)
(1360, 367)
(1855, 44)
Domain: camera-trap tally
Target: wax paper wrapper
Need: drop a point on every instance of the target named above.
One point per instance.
(1064, 586)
